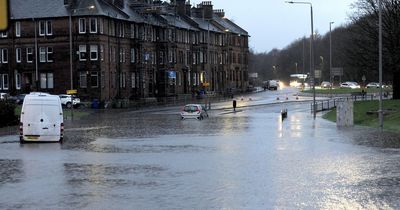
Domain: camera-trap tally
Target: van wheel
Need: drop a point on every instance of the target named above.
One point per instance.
(68, 105)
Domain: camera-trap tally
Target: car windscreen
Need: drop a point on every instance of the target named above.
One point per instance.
(190, 108)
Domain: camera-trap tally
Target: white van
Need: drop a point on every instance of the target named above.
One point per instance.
(41, 118)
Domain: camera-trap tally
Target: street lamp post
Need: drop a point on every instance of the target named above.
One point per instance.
(322, 69)
(330, 57)
(380, 67)
(312, 71)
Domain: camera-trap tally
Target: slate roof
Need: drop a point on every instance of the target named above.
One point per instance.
(229, 25)
(24, 9)
(178, 22)
(27, 9)
(206, 25)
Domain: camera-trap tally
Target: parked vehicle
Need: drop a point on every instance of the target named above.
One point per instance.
(373, 85)
(326, 84)
(66, 100)
(18, 99)
(41, 118)
(352, 85)
(194, 111)
(3, 96)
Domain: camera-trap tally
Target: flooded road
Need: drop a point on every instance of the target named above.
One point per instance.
(249, 159)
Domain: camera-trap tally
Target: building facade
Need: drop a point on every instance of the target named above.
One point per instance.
(121, 49)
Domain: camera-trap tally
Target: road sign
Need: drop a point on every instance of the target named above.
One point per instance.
(71, 92)
(172, 74)
(3, 15)
(337, 71)
(318, 74)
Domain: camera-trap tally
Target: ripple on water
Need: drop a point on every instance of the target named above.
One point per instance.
(11, 171)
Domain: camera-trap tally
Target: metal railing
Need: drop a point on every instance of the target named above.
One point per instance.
(328, 104)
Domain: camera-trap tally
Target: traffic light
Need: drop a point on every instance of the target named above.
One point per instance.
(3, 15)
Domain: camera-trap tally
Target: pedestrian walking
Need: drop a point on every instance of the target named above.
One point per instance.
(234, 105)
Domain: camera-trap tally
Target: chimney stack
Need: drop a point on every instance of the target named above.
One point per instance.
(180, 7)
(206, 9)
(188, 9)
(219, 12)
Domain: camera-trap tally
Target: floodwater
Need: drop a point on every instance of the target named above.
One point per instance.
(249, 159)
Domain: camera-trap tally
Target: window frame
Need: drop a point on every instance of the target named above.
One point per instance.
(49, 28)
(42, 31)
(94, 49)
(95, 25)
(82, 25)
(49, 51)
(82, 83)
(81, 57)
(29, 51)
(133, 54)
(4, 54)
(17, 29)
(18, 55)
(18, 81)
(94, 74)
(133, 79)
(42, 54)
(5, 81)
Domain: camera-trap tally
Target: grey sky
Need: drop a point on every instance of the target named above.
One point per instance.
(275, 24)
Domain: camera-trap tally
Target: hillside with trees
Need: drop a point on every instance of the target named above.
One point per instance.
(354, 48)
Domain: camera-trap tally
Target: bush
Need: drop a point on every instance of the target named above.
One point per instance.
(7, 114)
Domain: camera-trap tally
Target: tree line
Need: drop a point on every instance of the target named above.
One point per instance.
(354, 48)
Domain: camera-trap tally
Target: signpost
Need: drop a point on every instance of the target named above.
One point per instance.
(72, 92)
(337, 71)
(318, 74)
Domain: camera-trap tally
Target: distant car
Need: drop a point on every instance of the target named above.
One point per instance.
(273, 84)
(18, 99)
(373, 85)
(3, 96)
(194, 111)
(352, 85)
(66, 100)
(325, 84)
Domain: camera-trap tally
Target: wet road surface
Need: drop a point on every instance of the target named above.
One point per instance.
(249, 159)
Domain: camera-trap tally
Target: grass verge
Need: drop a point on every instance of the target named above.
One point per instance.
(345, 90)
(391, 117)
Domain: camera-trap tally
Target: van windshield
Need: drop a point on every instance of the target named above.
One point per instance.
(35, 112)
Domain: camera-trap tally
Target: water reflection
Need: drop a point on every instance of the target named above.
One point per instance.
(11, 171)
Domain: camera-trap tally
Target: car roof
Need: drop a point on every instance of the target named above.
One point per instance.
(192, 105)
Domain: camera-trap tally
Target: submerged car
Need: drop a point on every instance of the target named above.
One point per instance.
(194, 111)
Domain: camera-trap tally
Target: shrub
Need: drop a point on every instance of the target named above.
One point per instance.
(7, 114)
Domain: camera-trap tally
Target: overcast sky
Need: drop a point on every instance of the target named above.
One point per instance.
(275, 24)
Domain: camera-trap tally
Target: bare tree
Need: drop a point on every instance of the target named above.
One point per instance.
(365, 38)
